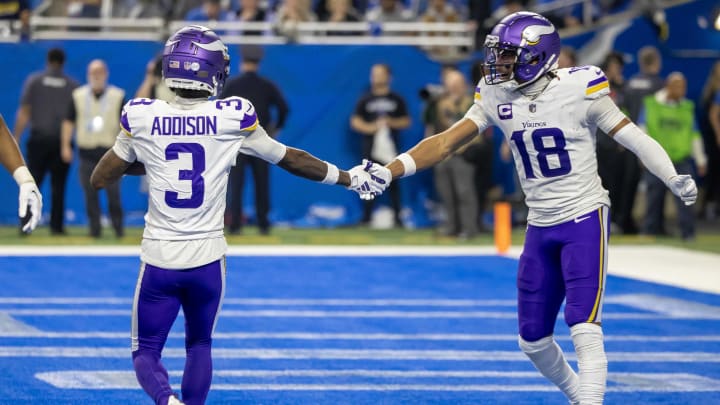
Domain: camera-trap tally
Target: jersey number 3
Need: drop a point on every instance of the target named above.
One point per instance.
(543, 152)
(197, 152)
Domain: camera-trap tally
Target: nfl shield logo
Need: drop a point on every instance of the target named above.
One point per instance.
(533, 107)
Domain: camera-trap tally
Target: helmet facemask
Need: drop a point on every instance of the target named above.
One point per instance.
(504, 63)
(522, 47)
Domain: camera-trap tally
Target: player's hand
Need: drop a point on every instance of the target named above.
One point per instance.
(684, 187)
(30, 199)
(381, 175)
(360, 182)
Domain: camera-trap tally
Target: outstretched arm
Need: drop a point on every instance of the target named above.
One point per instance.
(613, 122)
(303, 164)
(433, 149)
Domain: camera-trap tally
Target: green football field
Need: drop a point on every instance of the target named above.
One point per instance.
(706, 241)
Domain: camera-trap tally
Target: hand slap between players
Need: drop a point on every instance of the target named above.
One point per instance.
(365, 182)
(30, 198)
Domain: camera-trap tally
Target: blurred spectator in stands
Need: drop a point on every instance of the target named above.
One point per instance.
(16, 10)
(142, 8)
(441, 11)
(567, 58)
(613, 157)
(669, 118)
(455, 176)
(508, 7)
(211, 10)
(482, 153)
(290, 14)
(644, 83)
(182, 7)
(389, 11)
(266, 97)
(480, 12)
(153, 85)
(339, 11)
(250, 11)
(564, 17)
(430, 94)
(93, 116)
(45, 99)
(710, 128)
(379, 116)
(84, 8)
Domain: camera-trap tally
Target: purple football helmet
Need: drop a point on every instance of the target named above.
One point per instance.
(196, 59)
(522, 46)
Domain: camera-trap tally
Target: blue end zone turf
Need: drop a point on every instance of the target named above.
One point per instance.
(344, 330)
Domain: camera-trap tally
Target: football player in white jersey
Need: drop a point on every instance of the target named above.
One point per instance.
(186, 148)
(29, 199)
(549, 117)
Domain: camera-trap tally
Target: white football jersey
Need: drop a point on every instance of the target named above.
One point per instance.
(552, 141)
(188, 148)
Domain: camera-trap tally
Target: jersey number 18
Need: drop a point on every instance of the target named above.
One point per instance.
(543, 152)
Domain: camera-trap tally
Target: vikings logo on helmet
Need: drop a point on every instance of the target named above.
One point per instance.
(522, 46)
(196, 59)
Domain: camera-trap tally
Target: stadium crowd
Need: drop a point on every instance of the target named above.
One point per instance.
(462, 187)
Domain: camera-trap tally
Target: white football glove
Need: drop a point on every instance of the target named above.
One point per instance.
(684, 187)
(360, 182)
(381, 175)
(30, 198)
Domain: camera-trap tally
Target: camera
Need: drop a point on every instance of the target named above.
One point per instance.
(431, 92)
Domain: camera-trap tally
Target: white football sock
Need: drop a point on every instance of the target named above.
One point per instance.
(548, 358)
(592, 362)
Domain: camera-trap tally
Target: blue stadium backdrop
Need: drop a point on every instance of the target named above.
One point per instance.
(322, 84)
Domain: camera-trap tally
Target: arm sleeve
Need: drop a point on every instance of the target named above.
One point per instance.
(477, 115)
(261, 145)
(123, 147)
(652, 155)
(604, 113)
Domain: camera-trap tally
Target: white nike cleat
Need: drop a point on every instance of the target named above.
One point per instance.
(174, 401)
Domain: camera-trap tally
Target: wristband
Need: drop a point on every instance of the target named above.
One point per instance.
(333, 174)
(22, 175)
(408, 164)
